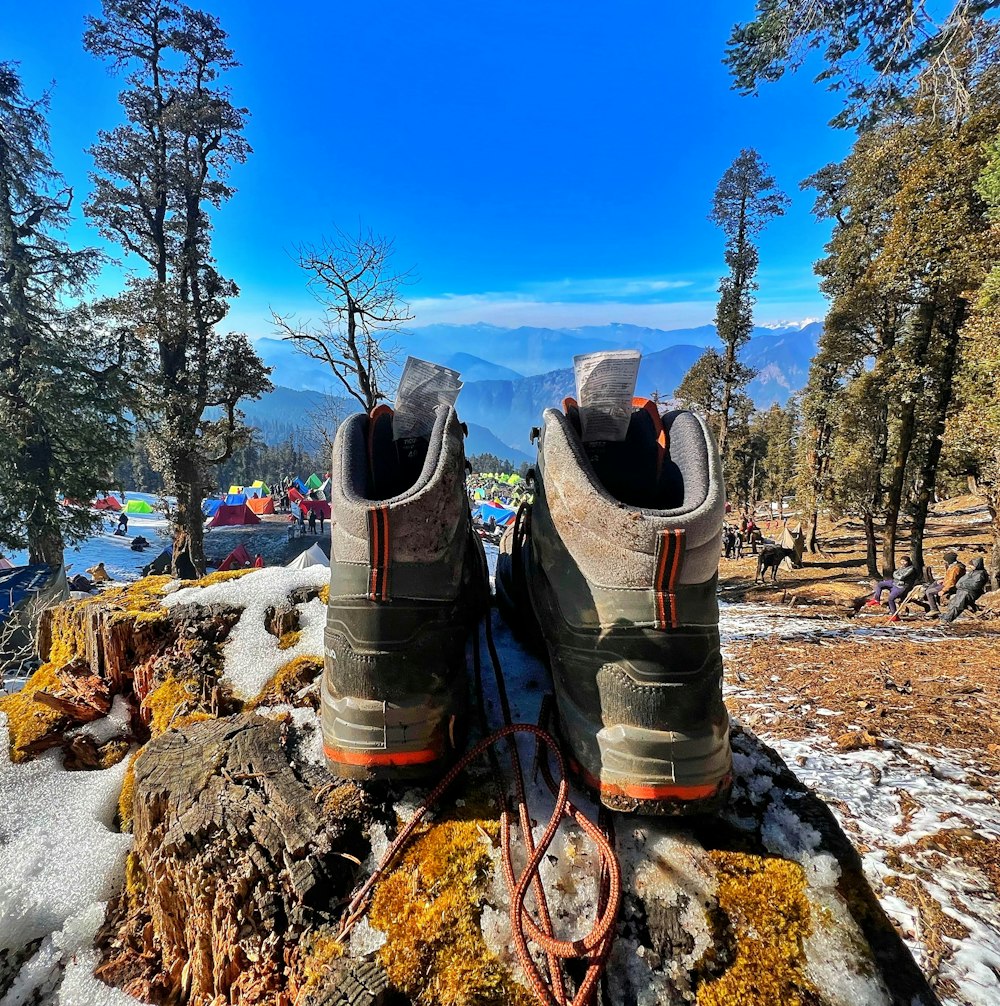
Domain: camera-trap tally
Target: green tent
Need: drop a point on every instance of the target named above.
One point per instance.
(314, 481)
(138, 506)
(259, 484)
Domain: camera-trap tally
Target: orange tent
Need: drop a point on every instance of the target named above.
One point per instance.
(261, 505)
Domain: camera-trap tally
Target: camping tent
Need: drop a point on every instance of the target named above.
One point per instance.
(263, 505)
(253, 493)
(314, 481)
(262, 486)
(233, 516)
(236, 489)
(210, 507)
(502, 515)
(107, 503)
(24, 592)
(301, 486)
(5, 563)
(312, 556)
(320, 507)
(138, 506)
(236, 499)
(239, 558)
(795, 539)
(294, 495)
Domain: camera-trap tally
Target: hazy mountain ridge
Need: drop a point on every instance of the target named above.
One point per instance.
(505, 404)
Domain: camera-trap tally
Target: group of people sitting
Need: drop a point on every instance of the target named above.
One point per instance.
(959, 587)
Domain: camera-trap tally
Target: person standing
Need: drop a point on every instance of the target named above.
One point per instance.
(312, 521)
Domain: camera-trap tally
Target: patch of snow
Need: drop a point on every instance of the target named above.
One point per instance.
(251, 655)
(60, 861)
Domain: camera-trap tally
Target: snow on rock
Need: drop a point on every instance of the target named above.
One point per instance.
(60, 861)
(251, 653)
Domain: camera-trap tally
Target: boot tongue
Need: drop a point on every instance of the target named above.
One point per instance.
(633, 470)
(393, 465)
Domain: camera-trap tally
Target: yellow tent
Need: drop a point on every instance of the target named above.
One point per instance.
(236, 489)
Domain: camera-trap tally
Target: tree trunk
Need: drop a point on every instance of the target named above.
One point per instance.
(238, 854)
(871, 547)
(927, 478)
(907, 431)
(813, 542)
(993, 503)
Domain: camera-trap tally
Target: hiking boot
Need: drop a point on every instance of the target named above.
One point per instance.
(618, 562)
(407, 583)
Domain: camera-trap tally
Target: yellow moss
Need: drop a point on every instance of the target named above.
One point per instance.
(318, 949)
(173, 703)
(125, 797)
(289, 639)
(135, 880)
(324, 593)
(27, 720)
(218, 577)
(430, 906)
(765, 902)
(287, 680)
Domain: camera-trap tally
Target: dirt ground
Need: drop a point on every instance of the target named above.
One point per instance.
(913, 689)
(839, 576)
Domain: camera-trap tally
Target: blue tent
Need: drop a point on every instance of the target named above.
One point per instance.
(253, 492)
(209, 507)
(487, 510)
(301, 486)
(20, 588)
(236, 499)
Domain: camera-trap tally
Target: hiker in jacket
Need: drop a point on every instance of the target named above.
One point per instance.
(944, 588)
(968, 590)
(899, 586)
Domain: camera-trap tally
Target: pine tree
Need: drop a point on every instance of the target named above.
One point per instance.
(158, 178)
(61, 379)
(746, 198)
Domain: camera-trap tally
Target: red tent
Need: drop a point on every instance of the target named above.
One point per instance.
(294, 495)
(262, 505)
(320, 507)
(108, 503)
(239, 558)
(231, 516)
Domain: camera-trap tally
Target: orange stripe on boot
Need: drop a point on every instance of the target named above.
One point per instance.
(375, 758)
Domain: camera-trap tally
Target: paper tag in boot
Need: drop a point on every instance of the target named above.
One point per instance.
(605, 385)
(422, 388)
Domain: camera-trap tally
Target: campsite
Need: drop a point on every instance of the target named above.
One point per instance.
(500, 505)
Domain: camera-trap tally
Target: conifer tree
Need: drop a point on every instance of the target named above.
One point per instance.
(62, 381)
(745, 199)
(158, 178)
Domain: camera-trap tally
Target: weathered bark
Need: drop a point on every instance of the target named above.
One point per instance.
(906, 434)
(236, 855)
(947, 346)
(871, 546)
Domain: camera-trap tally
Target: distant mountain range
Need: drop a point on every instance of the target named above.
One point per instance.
(511, 375)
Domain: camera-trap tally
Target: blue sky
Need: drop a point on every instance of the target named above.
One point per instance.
(536, 163)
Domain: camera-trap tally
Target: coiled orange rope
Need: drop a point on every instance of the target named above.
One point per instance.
(595, 946)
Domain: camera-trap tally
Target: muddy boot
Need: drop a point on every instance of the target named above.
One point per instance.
(619, 568)
(407, 583)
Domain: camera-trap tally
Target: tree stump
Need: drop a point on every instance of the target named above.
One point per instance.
(234, 859)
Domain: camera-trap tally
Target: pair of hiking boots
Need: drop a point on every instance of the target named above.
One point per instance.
(612, 570)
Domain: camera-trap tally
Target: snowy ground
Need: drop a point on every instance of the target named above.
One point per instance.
(894, 802)
(118, 558)
(49, 816)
